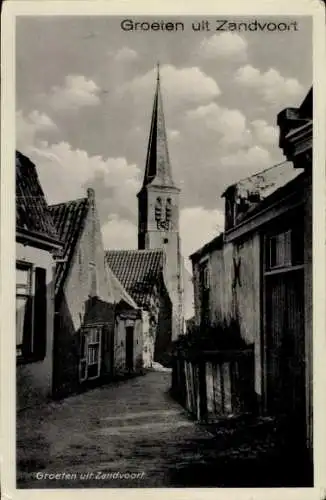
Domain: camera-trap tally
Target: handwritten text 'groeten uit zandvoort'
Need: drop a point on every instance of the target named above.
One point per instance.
(262, 25)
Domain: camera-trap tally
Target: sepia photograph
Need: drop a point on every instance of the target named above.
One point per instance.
(164, 251)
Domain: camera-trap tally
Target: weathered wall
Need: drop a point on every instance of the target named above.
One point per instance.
(232, 298)
(138, 345)
(80, 286)
(119, 346)
(34, 380)
(196, 285)
(83, 282)
(308, 309)
(148, 335)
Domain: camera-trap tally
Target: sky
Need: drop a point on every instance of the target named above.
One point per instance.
(84, 96)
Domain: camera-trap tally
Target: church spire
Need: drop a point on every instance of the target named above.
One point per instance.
(158, 169)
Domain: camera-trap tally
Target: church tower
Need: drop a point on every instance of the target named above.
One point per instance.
(158, 211)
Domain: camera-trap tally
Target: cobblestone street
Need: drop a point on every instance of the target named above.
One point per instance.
(132, 434)
(127, 427)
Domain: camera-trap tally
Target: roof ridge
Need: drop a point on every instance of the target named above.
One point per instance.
(134, 250)
(67, 202)
(260, 172)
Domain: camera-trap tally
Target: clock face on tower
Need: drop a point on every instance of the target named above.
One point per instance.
(163, 213)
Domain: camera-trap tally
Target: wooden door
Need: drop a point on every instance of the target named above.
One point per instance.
(285, 364)
(129, 348)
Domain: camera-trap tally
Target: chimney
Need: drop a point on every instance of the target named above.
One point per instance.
(91, 194)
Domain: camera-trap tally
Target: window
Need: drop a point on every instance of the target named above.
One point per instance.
(280, 249)
(90, 353)
(168, 209)
(158, 209)
(23, 305)
(229, 213)
(204, 293)
(205, 279)
(30, 312)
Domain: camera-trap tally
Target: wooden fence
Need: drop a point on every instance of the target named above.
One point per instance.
(214, 384)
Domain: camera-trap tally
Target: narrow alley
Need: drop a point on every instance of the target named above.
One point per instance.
(125, 428)
(132, 434)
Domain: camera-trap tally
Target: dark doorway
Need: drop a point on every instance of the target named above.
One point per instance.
(130, 348)
(285, 343)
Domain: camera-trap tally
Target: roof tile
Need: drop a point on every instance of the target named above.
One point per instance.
(138, 271)
(32, 211)
(69, 220)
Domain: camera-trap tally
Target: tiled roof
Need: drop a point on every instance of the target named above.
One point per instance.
(138, 271)
(32, 211)
(69, 220)
(117, 291)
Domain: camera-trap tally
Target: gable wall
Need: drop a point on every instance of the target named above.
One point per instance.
(73, 306)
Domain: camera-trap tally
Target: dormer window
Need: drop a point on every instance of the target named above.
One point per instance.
(230, 210)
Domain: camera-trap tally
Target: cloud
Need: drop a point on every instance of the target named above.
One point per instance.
(271, 86)
(119, 234)
(229, 124)
(230, 46)
(229, 127)
(75, 93)
(254, 158)
(264, 133)
(125, 54)
(66, 172)
(181, 85)
(28, 127)
(173, 134)
(197, 226)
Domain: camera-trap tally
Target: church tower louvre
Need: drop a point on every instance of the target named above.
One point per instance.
(158, 210)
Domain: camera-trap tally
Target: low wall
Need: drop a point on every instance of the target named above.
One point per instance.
(215, 384)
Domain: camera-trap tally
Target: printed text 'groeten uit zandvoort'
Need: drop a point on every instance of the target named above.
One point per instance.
(262, 25)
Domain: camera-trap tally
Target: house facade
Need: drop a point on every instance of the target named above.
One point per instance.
(141, 274)
(296, 139)
(253, 274)
(130, 322)
(258, 273)
(36, 241)
(84, 321)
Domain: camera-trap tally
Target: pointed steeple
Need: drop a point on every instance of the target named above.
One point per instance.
(158, 169)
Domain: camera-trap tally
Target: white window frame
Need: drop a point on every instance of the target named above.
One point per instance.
(287, 262)
(87, 359)
(28, 293)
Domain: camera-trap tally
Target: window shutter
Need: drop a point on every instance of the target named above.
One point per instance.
(27, 329)
(40, 313)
